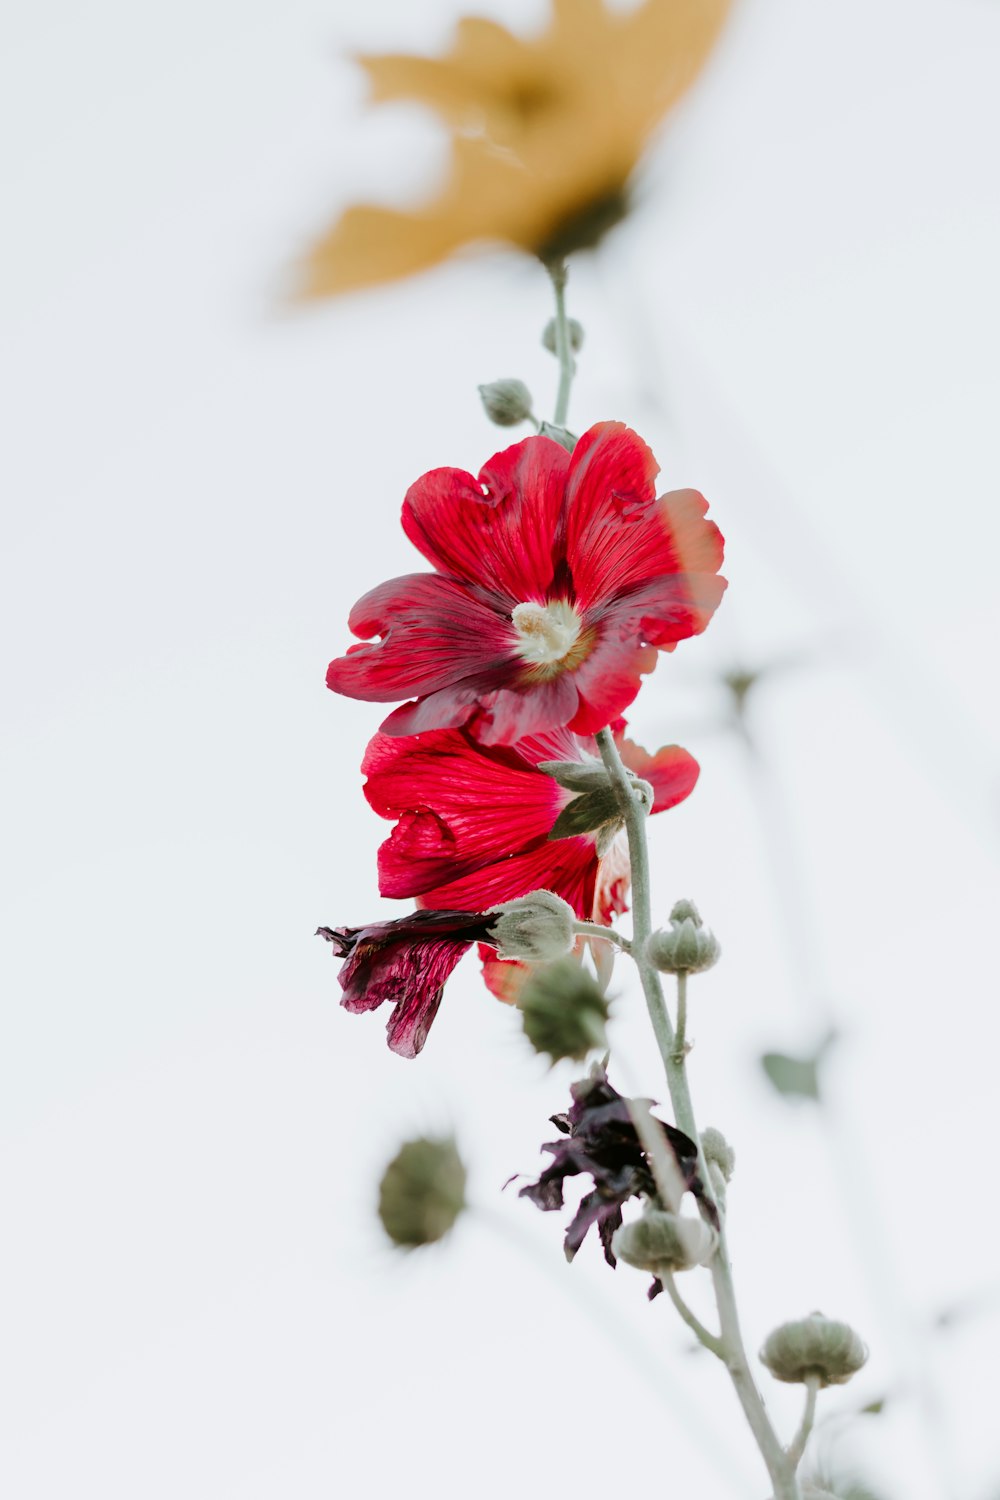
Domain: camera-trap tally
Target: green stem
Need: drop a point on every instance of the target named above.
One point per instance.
(680, 1035)
(797, 1446)
(558, 271)
(734, 1354)
(594, 929)
(695, 1324)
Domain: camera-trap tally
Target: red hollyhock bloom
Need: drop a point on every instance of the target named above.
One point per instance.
(474, 822)
(558, 579)
(406, 962)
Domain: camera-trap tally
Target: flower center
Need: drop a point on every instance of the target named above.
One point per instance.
(546, 632)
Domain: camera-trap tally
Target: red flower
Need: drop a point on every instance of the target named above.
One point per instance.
(559, 577)
(474, 822)
(406, 962)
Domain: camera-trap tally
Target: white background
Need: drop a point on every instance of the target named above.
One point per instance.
(803, 320)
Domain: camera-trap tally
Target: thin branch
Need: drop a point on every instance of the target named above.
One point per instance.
(797, 1446)
(710, 1340)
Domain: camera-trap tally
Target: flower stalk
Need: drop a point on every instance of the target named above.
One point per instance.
(597, 929)
(559, 274)
(731, 1350)
(797, 1446)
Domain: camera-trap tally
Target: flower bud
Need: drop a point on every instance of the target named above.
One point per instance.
(563, 1011)
(506, 402)
(538, 927)
(718, 1151)
(422, 1192)
(661, 1242)
(687, 946)
(816, 1347)
(684, 949)
(574, 329)
(682, 911)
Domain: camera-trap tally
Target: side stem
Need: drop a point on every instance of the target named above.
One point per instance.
(559, 273)
(797, 1446)
(734, 1354)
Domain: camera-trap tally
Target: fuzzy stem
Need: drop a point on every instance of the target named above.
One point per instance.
(695, 1324)
(558, 272)
(797, 1446)
(594, 929)
(680, 1035)
(734, 1354)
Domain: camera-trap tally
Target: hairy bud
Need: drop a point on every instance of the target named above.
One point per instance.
(718, 1151)
(575, 330)
(687, 946)
(563, 1011)
(814, 1347)
(422, 1192)
(537, 927)
(661, 1242)
(506, 402)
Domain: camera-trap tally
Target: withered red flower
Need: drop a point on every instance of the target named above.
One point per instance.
(600, 1141)
(559, 578)
(405, 962)
(473, 824)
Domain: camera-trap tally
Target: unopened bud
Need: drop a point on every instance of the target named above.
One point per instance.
(538, 927)
(683, 949)
(683, 911)
(661, 1242)
(422, 1192)
(574, 329)
(506, 402)
(687, 946)
(563, 1011)
(718, 1151)
(815, 1347)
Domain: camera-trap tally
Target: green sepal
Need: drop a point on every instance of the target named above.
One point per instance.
(587, 813)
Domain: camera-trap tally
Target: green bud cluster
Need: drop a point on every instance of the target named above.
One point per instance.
(506, 402)
(687, 947)
(422, 1192)
(660, 1242)
(814, 1348)
(563, 1011)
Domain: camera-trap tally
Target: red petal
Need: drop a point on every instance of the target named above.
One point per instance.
(504, 976)
(611, 676)
(671, 772)
(618, 534)
(434, 634)
(514, 713)
(566, 866)
(460, 806)
(502, 540)
(614, 877)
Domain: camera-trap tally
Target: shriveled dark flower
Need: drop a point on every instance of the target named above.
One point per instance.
(405, 962)
(600, 1141)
